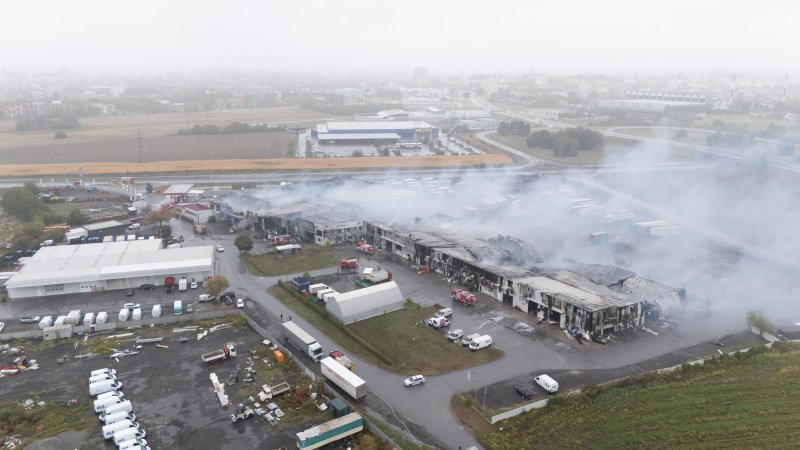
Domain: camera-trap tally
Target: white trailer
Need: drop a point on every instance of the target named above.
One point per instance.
(344, 378)
(317, 287)
(302, 340)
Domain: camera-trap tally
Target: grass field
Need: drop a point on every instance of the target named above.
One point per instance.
(747, 401)
(391, 335)
(271, 264)
(252, 165)
(43, 421)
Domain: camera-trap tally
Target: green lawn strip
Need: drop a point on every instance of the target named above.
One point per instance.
(398, 341)
(274, 263)
(749, 400)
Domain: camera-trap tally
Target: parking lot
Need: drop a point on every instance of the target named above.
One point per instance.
(170, 390)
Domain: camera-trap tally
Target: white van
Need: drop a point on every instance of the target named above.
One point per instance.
(102, 377)
(101, 404)
(102, 371)
(480, 342)
(444, 312)
(60, 320)
(156, 311)
(128, 434)
(108, 394)
(110, 430)
(125, 406)
(137, 314)
(104, 386)
(468, 339)
(123, 314)
(88, 319)
(47, 321)
(204, 298)
(133, 444)
(108, 419)
(47, 243)
(548, 384)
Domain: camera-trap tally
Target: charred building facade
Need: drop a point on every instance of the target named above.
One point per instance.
(587, 299)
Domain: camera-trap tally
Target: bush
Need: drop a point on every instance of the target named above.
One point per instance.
(60, 135)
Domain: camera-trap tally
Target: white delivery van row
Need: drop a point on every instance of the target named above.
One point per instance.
(104, 386)
(128, 434)
(60, 320)
(125, 406)
(480, 342)
(102, 317)
(101, 404)
(137, 314)
(156, 311)
(110, 430)
(88, 319)
(123, 314)
(133, 444)
(47, 321)
(547, 383)
(110, 394)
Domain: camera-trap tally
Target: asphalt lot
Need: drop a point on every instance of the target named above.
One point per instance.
(170, 390)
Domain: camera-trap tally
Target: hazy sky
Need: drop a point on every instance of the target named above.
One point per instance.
(446, 36)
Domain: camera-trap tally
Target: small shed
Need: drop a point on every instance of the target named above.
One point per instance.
(340, 408)
(790, 331)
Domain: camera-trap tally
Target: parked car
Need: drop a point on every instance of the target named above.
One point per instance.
(220, 248)
(170, 289)
(134, 226)
(524, 392)
(230, 295)
(189, 308)
(193, 285)
(413, 381)
(240, 303)
(30, 319)
(438, 322)
(147, 287)
(204, 298)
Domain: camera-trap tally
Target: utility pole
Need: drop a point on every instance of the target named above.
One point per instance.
(139, 139)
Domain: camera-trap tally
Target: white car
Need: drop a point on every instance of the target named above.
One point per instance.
(193, 285)
(220, 248)
(240, 303)
(413, 381)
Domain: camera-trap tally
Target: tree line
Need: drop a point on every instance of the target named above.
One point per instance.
(567, 142)
(231, 128)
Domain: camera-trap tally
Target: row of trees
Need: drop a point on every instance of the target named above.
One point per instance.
(565, 143)
(514, 127)
(43, 123)
(231, 128)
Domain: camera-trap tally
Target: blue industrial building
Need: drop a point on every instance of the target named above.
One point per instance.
(374, 132)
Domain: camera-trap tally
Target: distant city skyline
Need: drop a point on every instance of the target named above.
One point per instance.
(624, 36)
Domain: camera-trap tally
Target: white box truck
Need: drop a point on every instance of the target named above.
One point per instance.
(302, 340)
(104, 386)
(344, 378)
(156, 311)
(183, 285)
(102, 317)
(321, 293)
(74, 317)
(314, 288)
(123, 314)
(137, 314)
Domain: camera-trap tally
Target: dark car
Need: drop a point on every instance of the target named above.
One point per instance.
(147, 287)
(230, 295)
(524, 392)
(170, 288)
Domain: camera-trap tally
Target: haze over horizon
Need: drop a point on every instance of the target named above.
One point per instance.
(447, 37)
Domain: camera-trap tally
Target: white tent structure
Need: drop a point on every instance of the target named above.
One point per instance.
(367, 302)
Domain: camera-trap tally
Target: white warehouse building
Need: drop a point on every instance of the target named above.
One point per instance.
(367, 302)
(85, 268)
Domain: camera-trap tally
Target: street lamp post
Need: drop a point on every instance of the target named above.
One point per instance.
(412, 350)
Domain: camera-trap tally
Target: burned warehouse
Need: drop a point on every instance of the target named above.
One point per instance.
(587, 299)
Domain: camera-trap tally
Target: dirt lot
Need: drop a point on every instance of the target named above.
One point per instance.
(171, 393)
(254, 165)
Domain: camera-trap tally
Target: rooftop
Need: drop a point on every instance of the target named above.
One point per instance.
(108, 260)
(103, 225)
(394, 125)
(178, 189)
(356, 136)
